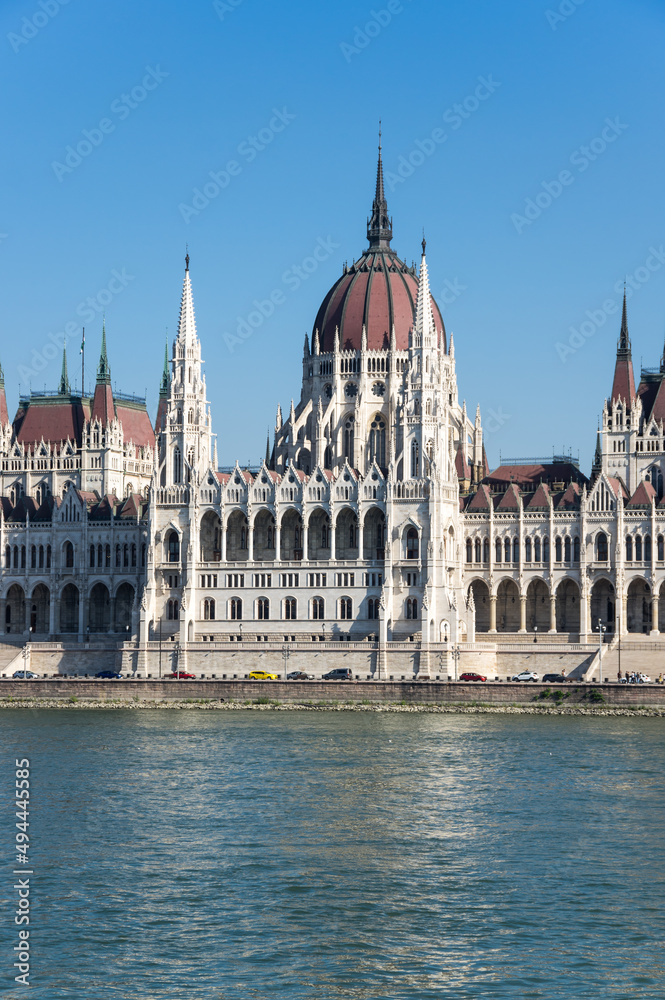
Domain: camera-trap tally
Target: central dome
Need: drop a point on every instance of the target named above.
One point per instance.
(378, 292)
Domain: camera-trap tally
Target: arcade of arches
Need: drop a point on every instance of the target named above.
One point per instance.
(265, 540)
(32, 615)
(536, 611)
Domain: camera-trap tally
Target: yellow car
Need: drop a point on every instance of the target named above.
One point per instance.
(262, 675)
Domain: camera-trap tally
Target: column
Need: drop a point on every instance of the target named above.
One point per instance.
(53, 613)
(223, 542)
(278, 540)
(361, 537)
(332, 539)
(83, 604)
(492, 627)
(305, 538)
(552, 613)
(250, 541)
(522, 614)
(654, 615)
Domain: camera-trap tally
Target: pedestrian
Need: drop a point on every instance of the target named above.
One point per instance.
(619, 675)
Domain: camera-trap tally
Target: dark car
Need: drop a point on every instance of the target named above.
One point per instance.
(299, 675)
(180, 675)
(553, 679)
(339, 674)
(109, 675)
(472, 677)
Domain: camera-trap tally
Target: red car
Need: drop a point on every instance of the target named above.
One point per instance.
(472, 677)
(180, 675)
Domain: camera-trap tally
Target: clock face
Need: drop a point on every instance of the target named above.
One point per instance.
(351, 389)
(379, 388)
(328, 390)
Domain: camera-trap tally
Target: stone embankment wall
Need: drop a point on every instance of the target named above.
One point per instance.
(399, 661)
(379, 692)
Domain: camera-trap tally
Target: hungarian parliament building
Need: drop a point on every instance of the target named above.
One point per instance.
(373, 516)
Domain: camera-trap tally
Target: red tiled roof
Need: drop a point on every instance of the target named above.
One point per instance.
(510, 499)
(4, 414)
(540, 499)
(618, 487)
(642, 496)
(54, 420)
(570, 498)
(480, 500)
(461, 464)
(623, 386)
(377, 291)
(658, 408)
(528, 474)
(136, 425)
(103, 408)
(162, 409)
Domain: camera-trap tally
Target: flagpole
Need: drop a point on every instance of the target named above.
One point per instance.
(83, 366)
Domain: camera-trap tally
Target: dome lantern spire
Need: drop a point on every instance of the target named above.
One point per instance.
(379, 226)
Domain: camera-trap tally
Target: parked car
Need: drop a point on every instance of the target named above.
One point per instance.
(180, 675)
(299, 675)
(25, 675)
(553, 679)
(472, 677)
(109, 675)
(526, 675)
(339, 674)
(262, 675)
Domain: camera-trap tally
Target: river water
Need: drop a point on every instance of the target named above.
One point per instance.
(337, 856)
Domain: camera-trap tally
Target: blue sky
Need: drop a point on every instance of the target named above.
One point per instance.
(536, 199)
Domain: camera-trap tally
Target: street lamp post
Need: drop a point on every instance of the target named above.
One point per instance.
(286, 652)
(456, 655)
(535, 633)
(601, 630)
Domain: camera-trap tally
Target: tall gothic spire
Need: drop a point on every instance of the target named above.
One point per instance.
(624, 339)
(187, 323)
(623, 386)
(63, 387)
(103, 368)
(164, 384)
(379, 226)
(424, 317)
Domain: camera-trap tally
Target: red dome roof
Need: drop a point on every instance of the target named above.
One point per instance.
(379, 290)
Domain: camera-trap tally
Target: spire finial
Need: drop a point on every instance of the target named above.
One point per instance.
(63, 387)
(103, 368)
(164, 384)
(379, 225)
(624, 338)
(424, 242)
(187, 256)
